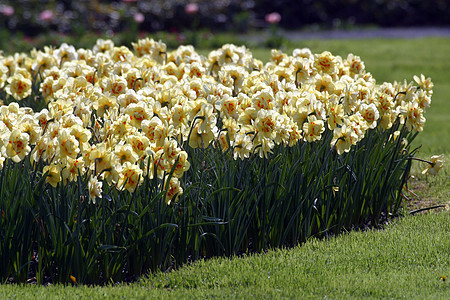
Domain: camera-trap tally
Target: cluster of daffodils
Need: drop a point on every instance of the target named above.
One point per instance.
(123, 114)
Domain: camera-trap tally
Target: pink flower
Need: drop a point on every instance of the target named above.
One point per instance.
(6, 10)
(191, 8)
(46, 15)
(273, 18)
(139, 17)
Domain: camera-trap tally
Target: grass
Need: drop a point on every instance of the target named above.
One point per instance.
(405, 260)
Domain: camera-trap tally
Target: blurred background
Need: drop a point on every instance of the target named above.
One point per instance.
(196, 22)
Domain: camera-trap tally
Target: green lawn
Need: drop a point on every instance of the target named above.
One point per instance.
(405, 260)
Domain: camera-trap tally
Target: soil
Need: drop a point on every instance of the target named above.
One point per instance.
(419, 197)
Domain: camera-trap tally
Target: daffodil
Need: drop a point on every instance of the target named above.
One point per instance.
(129, 177)
(17, 145)
(425, 83)
(200, 138)
(173, 190)
(68, 144)
(267, 123)
(137, 113)
(112, 110)
(53, 172)
(325, 62)
(343, 139)
(139, 143)
(413, 116)
(124, 153)
(95, 189)
(355, 64)
(72, 168)
(242, 146)
(18, 86)
(435, 164)
(370, 113)
(335, 115)
(313, 129)
(263, 99)
(101, 159)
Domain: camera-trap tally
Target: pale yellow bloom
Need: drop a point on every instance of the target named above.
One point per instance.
(242, 146)
(17, 145)
(72, 167)
(370, 113)
(125, 153)
(101, 159)
(139, 143)
(29, 125)
(413, 116)
(355, 64)
(19, 87)
(264, 146)
(47, 88)
(174, 190)
(95, 188)
(324, 83)
(263, 99)
(313, 129)
(129, 177)
(343, 139)
(200, 138)
(267, 123)
(53, 174)
(68, 144)
(325, 62)
(301, 68)
(182, 166)
(425, 83)
(118, 85)
(335, 115)
(137, 113)
(229, 107)
(437, 163)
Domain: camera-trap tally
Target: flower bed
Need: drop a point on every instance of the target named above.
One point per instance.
(127, 160)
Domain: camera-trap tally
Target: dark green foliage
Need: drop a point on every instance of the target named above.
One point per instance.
(228, 207)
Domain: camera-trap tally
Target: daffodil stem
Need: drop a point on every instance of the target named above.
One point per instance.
(423, 160)
(425, 209)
